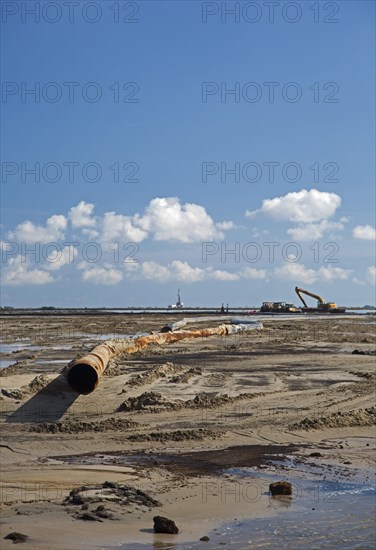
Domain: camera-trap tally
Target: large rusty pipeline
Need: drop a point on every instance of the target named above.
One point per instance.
(85, 372)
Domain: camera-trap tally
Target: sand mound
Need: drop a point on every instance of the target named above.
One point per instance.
(38, 383)
(177, 435)
(143, 401)
(113, 369)
(154, 402)
(186, 376)
(217, 379)
(12, 369)
(360, 417)
(159, 371)
(72, 427)
(211, 400)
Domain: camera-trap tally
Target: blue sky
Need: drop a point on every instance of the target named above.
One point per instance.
(166, 171)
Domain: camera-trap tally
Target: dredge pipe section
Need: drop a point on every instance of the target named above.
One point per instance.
(85, 373)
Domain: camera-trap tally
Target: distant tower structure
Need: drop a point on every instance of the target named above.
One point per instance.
(179, 303)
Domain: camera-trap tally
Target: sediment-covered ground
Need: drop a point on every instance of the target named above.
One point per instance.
(170, 429)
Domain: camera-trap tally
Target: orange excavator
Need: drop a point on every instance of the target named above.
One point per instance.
(322, 306)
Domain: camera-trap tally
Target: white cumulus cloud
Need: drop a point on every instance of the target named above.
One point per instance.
(167, 219)
(181, 271)
(81, 215)
(155, 272)
(8, 247)
(366, 232)
(102, 275)
(225, 226)
(117, 227)
(330, 273)
(313, 231)
(296, 272)
(164, 219)
(53, 231)
(221, 275)
(299, 273)
(303, 206)
(58, 258)
(253, 273)
(19, 272)
(357, 281)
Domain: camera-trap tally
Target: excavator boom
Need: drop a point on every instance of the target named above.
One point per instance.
(321, 304)
(299, 290)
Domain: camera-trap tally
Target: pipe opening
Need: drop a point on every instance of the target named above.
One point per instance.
(82, 378)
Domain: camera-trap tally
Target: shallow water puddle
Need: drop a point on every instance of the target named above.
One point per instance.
(322, 513)
(51, 361)
(9, 348)
(335, 518)
(5, 363)
(101, 336)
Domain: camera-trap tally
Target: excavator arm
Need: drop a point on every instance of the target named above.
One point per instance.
(302, 290)
(321, 304)
(298, 290)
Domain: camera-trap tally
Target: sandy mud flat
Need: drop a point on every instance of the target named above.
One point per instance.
(195, 432)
